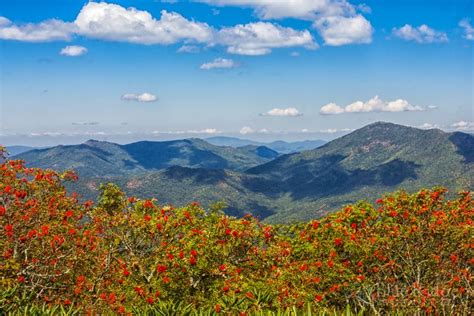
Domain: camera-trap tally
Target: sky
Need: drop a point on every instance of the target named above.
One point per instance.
(259, 69)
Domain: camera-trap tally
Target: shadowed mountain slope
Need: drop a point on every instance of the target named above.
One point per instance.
(98, 158)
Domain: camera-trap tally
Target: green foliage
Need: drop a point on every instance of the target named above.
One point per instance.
(111, 198)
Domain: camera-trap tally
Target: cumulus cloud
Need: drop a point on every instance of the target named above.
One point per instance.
(207, 131)
(50, 30)
(422, 34)
(113, 22)
(143, 97)
(468, 29)
(331, 108)
(246, 130)
(219, 63)
(260, 38)
(337, 21)
(373, 105)
(290, 112)
(340, 30)
(463, 126)
(73, 51)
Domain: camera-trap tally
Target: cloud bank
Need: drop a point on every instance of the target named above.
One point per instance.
(338, 22)
(373, 105)
(289, 112)
(112, 22)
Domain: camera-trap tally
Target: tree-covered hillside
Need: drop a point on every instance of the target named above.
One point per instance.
(103, 159)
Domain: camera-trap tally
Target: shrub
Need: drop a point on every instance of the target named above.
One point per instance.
(409, 253)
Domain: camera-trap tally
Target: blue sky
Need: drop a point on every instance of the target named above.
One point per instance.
(261, 69)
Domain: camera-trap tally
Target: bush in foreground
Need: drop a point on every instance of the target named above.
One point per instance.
(409, 253)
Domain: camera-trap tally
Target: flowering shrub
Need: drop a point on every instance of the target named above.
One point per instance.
(407, 253)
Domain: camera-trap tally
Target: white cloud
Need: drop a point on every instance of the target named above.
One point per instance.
(422, 34)
(291, 112)
(295, 54)
(260, 38)
(303, 9)
(115, 23)
(428, 126)
(340, 30)
(204, 131)
(468, 29)
(373, 105)
(336, 130)
(49, 30)
(192, 49)
(209, 131)
(73, 51)
(331, 108)
(219, 63)
(364, 8)
(112, 22)
(463, 126)
(246, 130)
(143, 97)
(337, 21)
(192, 131)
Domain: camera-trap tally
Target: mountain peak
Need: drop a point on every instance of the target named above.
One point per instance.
(93, 142)
(385, 125)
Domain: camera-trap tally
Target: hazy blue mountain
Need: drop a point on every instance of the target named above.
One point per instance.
(291, 147)
(16, 150)
(230, 141)
(98, 158)
(279, 146)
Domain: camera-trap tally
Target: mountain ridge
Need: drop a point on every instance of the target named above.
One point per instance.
(278, 145)
(377, 158)
(100, 158)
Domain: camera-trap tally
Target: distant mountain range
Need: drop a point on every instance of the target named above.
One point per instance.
(16, 150)
(375, 159)
(279, 145)
(100, 159)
